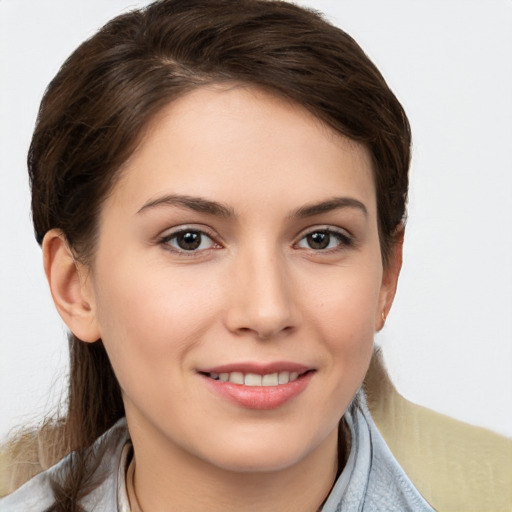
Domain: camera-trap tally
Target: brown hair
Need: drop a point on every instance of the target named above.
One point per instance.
(95, 110)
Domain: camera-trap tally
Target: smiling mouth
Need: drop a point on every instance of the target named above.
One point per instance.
(258, 386)
(254, 379)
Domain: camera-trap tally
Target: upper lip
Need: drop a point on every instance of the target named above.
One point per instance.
(257, 368)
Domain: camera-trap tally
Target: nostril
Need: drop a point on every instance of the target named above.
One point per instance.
(266, 334)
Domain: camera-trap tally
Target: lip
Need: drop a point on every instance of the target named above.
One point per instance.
(258, 397)
(258, 368)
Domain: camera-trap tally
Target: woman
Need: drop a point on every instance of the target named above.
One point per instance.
(220, 195)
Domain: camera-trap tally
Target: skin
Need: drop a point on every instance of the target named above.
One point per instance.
(255, 290)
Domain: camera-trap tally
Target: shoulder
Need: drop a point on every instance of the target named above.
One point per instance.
(371, 479)
(450, 462)
(102, 461)
(34, 495)
(29, 453)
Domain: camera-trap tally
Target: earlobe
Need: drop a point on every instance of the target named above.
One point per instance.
(390, 279)
(69, 287)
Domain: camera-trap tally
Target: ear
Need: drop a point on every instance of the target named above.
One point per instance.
(69, 286)
(390, 279)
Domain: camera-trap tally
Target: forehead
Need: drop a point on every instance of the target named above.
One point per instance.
(243, 144)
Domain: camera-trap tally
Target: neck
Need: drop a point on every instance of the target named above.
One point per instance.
(164, 478)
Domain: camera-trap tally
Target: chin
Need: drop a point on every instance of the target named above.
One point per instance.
(265, 462)
(268, 453)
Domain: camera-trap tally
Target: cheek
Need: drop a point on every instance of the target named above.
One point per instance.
(346, 304)
(149, 319)
(344, 313)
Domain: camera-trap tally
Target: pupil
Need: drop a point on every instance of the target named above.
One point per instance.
(189, 241)
(318, 240)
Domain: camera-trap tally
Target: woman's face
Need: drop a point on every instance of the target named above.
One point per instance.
(237, 282)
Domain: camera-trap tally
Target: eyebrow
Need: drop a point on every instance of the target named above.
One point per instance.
(202, 205)
(197, 204)
(330, 205)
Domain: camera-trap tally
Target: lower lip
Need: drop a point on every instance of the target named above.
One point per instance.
(259, 397)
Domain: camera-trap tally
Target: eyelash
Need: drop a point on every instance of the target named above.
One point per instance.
(344, 241)
(166, 239)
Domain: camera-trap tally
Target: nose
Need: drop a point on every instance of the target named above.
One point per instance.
(262, 301)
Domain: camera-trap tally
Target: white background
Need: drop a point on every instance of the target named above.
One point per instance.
(448, 340)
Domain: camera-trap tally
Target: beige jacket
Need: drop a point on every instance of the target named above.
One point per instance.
(457, 467)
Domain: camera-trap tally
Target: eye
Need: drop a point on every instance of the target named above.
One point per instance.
(189, 240)
(324, 240)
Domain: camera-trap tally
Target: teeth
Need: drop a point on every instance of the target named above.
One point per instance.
(271, 379)
(236, 377)
(284, 377)
(254, 379)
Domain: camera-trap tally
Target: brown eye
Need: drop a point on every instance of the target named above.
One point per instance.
(318, 240)
(324, 239)
(189, 240)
